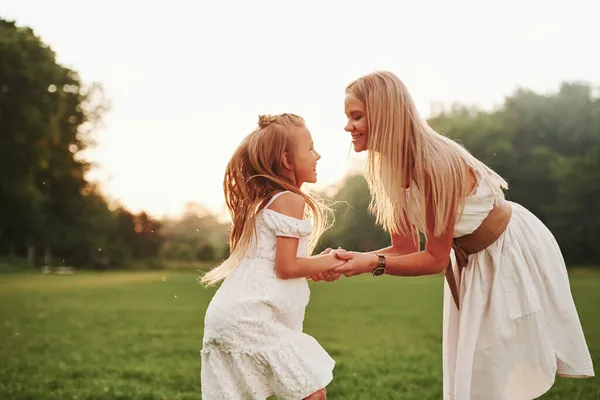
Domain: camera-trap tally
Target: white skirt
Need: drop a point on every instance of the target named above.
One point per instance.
(518, 326)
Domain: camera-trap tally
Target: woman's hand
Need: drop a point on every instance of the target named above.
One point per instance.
(356, 263)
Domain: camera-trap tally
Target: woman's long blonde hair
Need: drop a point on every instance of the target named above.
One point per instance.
(405, 152)
(253, 175)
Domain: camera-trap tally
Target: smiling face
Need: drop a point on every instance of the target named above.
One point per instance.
(357, 124)
(304, 156)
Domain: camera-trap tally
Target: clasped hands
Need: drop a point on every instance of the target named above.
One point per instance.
(350, 263)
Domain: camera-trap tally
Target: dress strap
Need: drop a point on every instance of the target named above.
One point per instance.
(275, 197)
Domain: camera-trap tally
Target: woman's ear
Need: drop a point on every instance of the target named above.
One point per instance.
(287, 161)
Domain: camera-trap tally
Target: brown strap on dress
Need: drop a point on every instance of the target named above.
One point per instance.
(488, 232)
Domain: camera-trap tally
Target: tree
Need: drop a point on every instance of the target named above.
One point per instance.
(548, 149)
(354, 227)
(546, 146)
(46, 118)
(197, 235)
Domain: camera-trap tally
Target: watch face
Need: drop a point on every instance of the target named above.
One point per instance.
(379, 271)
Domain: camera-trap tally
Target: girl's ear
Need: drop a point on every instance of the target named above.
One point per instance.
(287, 161)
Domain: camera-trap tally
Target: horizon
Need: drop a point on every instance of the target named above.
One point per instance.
(200, 75)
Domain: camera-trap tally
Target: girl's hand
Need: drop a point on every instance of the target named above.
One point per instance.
(329, 276)
(329, 250)
(356, 263)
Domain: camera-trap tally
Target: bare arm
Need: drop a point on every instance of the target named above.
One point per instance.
(401, 245)
(431, 261)
(287, 265)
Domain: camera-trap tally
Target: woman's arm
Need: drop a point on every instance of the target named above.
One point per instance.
(401, 245)
(431, 261)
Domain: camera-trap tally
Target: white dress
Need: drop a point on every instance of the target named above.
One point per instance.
(253, 344)
(517, 326)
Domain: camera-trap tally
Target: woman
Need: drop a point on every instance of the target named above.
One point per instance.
(510, 323)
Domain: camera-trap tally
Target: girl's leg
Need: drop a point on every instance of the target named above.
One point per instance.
(318, 395)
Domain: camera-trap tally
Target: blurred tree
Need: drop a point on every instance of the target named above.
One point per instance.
(354, 227)
(197, 235)
(546, 146)
(49, 209)
(548, 149)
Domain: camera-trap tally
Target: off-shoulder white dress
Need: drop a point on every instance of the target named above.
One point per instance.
(253, 344)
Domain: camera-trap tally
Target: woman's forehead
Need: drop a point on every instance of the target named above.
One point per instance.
(351, 103)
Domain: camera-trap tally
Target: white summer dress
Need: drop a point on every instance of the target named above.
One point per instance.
(253, 344)
(517, 326)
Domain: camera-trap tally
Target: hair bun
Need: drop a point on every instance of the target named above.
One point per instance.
(266, 120)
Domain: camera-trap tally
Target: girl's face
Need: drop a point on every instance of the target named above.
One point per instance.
(357, 122)
(304, 157)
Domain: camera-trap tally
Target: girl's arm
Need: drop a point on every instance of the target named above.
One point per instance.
(287, 265)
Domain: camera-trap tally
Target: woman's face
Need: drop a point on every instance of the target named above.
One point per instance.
(357, 122)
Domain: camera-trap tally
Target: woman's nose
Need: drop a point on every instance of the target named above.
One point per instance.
(348, 127)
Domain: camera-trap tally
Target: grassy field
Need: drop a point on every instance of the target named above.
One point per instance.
(137, 336)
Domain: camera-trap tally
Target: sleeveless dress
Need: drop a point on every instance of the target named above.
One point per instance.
(517, 326)
(253, 345)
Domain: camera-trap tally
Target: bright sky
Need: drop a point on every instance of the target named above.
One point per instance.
(187, 78)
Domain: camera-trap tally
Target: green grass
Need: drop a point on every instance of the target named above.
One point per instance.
(136, 336)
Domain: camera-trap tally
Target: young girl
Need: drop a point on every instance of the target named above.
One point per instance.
(510, 323)
(253, 343)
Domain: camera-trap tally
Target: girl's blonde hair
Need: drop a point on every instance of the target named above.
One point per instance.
(405, 152)
(253, 175)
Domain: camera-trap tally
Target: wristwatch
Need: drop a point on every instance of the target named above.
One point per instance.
(380, 268)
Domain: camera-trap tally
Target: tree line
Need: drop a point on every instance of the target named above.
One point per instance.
(547, 146)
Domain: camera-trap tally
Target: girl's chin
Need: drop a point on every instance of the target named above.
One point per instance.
(312, 179)
(309, 181)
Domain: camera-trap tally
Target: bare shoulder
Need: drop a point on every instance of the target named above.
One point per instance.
(290, 204)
